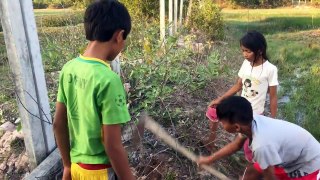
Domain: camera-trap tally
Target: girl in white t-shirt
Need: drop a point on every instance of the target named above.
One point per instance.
(257, 77)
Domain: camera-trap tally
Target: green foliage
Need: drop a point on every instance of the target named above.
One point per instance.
(59, 45)
(170, 176)
(81, 4)
(39, 5)
(256, 3)
(155, 74)
(58, 4)
(206, 16)
(260, 3)
(138, 8)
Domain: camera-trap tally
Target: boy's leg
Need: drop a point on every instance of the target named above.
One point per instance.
(209, 143)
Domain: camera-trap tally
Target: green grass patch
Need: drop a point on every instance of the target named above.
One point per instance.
(271, 21)
(45, 12)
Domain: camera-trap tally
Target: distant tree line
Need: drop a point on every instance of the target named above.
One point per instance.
(266, 3)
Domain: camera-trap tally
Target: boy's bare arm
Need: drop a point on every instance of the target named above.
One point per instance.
(273, 101)
(116, 151)
(227, 150)
(61, 132)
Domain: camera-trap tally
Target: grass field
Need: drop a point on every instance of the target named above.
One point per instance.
(293, 37)
(44, 12)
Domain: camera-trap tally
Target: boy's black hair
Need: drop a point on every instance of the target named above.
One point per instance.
(256, 42)
(235, 109)
(103, 18)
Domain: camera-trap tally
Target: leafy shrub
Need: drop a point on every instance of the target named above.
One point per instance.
(81, 4)
(206, 16)
(40, 5)
(256, 3)
(316, 2)
(59, 45)
(155, 75)
(53, 4)
(142, 7)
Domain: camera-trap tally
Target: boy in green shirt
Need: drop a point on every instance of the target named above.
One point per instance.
(91, 103)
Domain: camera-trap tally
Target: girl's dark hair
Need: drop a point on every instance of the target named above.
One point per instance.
(235, 109)
(103, 18)
(256, 42)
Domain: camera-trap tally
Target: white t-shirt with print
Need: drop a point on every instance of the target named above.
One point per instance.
(284, 144)
(255, 83)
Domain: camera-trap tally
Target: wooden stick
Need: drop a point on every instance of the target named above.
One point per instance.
(156, 129)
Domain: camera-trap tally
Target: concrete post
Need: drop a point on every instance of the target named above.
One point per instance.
(181, 12)
(24, 56)
(170, 17)
(175, 16)
(162, 21)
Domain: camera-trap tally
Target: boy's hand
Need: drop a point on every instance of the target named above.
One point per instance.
(204, 160)
(66, 173)
(215, 102)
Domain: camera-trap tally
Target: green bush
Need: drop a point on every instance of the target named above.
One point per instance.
(156, 79)
(156, 74)
(59, 45)
(59, 20)
(256, 3)
(81, 4)
(40, 5)
(53, 4)
(316, 2)
(142, 7)
(206, 16)
(58, 4)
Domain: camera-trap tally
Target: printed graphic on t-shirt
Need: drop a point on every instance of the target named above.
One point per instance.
(248, 88)
(297, 174)
(120, 100)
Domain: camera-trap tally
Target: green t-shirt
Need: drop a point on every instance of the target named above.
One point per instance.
(94, 95)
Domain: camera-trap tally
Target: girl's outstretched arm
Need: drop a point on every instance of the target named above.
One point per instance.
(273, 101)
(232, 91)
